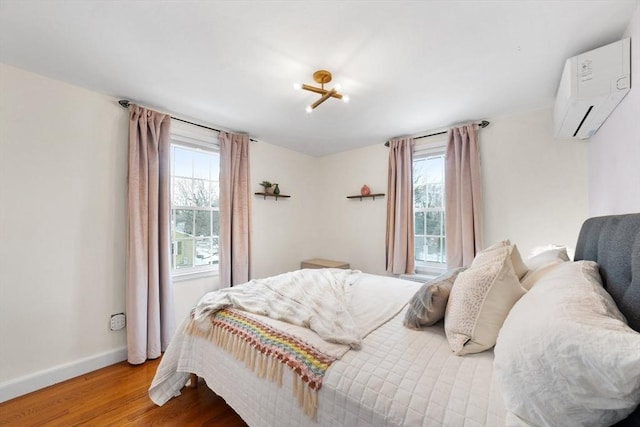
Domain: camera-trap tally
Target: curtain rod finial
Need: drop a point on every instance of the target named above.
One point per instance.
(124, 103)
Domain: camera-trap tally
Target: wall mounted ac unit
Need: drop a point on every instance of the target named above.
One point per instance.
(592, 85)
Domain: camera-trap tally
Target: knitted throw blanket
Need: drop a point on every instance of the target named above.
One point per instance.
(265, 350)
(316, 299)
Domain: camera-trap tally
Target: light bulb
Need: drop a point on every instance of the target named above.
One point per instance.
(308, 109)
(338, 87)
(297, 86)
(345, 98)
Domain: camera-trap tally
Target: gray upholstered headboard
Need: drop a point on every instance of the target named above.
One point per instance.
(614, 243)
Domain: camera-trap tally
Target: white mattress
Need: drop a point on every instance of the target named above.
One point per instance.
(400, 377)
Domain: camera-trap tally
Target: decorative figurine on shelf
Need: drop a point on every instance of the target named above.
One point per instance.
(268, 187)
(365, 191)
(276, 190)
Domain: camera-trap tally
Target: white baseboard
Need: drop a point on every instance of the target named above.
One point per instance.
(41, 379)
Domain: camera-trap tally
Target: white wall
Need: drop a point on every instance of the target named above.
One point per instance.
(63, 160)
(284, 232)
(614, 151)
(534, 186)
(534, 191)
(186, 294)
(354, 230)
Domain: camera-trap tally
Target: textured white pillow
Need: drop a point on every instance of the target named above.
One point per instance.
(480, 300)
(519, 266)
(565, 354)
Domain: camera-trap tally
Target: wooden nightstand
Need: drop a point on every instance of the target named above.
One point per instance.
(323, 263)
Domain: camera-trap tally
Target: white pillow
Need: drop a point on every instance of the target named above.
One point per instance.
(548, 255)
(565, 354)
(480, 300)
(542, 263)
(519, 267)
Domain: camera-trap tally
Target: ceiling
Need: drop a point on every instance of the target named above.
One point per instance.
(408, 66)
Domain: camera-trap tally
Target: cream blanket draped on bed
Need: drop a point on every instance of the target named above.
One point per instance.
(317, 299)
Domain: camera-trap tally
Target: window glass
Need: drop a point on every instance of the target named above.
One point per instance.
(194, 208)
(181, 161)
(428, 196)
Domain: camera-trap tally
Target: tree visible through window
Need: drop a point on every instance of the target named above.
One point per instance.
(428, 199)
(194, 208)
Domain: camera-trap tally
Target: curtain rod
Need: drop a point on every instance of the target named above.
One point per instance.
(482, 124)
(125, 104)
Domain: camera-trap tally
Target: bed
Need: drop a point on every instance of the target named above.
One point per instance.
(405, 377)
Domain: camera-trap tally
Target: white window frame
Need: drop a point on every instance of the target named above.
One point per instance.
(435, 147)
(197, 138)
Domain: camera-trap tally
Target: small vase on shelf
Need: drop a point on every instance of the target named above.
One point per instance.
(365, 191)
(276, 190)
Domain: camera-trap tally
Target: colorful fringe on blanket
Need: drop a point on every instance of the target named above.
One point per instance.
(265, 350)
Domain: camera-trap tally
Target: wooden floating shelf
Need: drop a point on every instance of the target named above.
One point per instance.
(265, 195)
(370, 196)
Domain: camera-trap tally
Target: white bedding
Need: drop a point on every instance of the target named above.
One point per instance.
(398, 377)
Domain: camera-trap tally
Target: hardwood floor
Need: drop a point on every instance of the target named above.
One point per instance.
(116, 396)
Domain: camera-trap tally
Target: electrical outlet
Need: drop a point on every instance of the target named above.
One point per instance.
(118, 321)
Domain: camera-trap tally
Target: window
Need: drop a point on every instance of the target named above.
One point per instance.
(428, 208)
(195, 210)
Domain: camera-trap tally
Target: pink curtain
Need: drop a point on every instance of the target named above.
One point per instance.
(149, 298)
(235, 209)
(400, 235)
(463, 195)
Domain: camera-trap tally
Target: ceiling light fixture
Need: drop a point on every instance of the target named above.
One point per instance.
(322, 77)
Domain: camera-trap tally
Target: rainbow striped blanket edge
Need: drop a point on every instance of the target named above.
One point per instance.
(266, 350)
